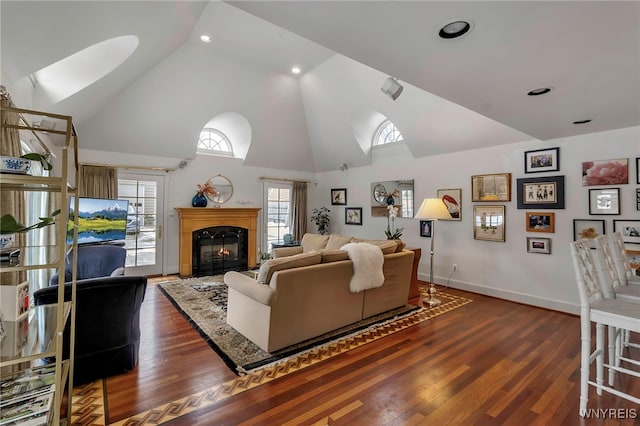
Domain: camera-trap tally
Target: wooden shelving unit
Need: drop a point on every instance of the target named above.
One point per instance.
(38, 333)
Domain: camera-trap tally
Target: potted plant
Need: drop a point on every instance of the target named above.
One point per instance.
(321, 218)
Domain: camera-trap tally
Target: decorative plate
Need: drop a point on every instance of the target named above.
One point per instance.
(15, 165)
(6, 242)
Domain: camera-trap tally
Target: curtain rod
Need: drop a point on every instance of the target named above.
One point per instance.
(155, 169)
(283, 179)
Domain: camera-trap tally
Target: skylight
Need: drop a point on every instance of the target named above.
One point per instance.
(75, 72)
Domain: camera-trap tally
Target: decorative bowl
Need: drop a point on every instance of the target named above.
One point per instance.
(15, 165)
(7, 241)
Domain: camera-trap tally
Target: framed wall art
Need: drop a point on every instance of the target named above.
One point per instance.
(542, 160)
(637, 198)
(488, 223)
(540, 222)
(604, 201)
(638, 170)
(634, 258)
(492, 187)
(630, 230)
(538, 245)
(587, 228)
(353, 216)
(540, 193)
(425, 228)
(339, 197)
(452, 198)
(605, 172)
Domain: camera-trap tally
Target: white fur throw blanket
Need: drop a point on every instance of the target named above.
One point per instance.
(367, 266)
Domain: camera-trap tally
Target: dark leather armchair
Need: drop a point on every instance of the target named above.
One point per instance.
(104, 260)
(107, 324)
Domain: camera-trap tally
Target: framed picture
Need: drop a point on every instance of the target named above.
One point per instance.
(339, 197)
(637, 169)
(540, 222)
(425, 228)
(605, 172)
(634, 258)
(630, 230)
(538, 245)
(587, 228)
(494, 187)
(637, 198)
(604, 201)
(452, 198)
(540, 193)
(353, 216)
(488, 223)
(542, 160)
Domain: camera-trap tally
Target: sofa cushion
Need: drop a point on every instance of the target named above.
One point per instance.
(336, 241)
(268, 268)
(387, 246)
(313, 242)
(333, 255)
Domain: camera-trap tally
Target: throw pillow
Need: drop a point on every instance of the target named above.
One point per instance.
(268, 268)
(387, 246)
(336, 241)
(401, 245)
(311, 242)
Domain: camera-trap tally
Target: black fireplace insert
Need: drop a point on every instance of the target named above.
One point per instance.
(219, 249)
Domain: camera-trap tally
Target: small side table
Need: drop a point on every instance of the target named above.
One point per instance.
(414, 287)
(280, 244)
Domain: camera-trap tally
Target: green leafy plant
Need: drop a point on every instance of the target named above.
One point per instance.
(264, 255)
(9, 224)
(321, 218)
(46, 165)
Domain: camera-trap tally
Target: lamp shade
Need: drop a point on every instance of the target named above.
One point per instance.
(433, 208)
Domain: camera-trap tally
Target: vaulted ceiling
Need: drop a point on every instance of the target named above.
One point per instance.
(459, 94)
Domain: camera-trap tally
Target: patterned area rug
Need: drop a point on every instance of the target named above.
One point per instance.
(203, 301)
(88, 404)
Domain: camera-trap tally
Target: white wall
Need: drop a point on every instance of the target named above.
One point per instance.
(181, 185)
(501, 269)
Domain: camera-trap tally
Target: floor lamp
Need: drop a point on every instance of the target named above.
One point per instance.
(432, 209)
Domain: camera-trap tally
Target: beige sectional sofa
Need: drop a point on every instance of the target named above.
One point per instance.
(304, 291)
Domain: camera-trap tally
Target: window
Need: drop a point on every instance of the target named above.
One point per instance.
(278, 206)
(386, 133)
(214, 142)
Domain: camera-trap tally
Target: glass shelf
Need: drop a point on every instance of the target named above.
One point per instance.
(31, 337)
(30, 257)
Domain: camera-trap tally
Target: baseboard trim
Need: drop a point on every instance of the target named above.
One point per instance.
(501, 293)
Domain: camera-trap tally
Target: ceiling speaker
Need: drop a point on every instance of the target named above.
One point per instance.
(392, 88)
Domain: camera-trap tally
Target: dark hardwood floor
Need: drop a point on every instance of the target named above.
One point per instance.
(491, 362)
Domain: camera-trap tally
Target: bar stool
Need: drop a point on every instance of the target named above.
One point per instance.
(623, 266)
(611, 289)
(616, 313)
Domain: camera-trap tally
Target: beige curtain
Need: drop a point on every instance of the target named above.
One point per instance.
(97, 182)
(11, 202)
(299, 210)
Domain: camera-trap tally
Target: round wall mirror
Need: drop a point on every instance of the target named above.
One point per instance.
(223, 188)
(379, 193)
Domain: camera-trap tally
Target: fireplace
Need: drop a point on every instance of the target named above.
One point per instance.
(219, 249)
(193, 219)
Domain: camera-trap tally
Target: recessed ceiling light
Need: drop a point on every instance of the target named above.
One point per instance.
(540, 91)
(296, 70)
(454, 29)
(582, 121)
(205, 38)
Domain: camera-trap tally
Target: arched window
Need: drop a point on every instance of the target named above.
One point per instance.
(214, 142)
(386, 133)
